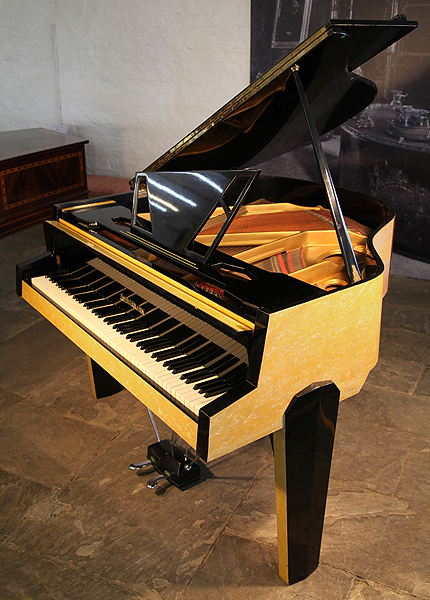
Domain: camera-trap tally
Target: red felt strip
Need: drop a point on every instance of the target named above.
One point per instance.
(282, 264)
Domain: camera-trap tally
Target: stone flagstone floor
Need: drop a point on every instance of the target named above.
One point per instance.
(76, 524)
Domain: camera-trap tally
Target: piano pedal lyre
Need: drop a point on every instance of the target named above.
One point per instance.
(170, 460)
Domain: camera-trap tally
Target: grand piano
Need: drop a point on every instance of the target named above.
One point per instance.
(236, 305)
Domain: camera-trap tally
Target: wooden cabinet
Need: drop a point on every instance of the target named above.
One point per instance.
(38, 167)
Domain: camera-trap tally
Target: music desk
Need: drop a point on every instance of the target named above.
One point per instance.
(38, 168)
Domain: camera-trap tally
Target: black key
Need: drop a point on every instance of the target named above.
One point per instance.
(186, 366)
(224, 363)
(97, 302)
(186, 369)
(183, 367)
(218, 368)
(131, 326)
(193, 343)
(195, 376)
(118, 296)
(91, 276)
(84, 274)
(196, 358)
(126, 307)
(180, 349)
(95, 281)
(184, 347)
(154, 344)
(80, 287)
(179, 365)
(206, 349)
(212, 385)
(112, 309)
(180, 361)
(108, 310)
(145, 307)
(101, 283)
(84, 269)
(156, 316)
(139, 303)
(132, 314)
(208, 354)
(181, 334)
(167, 354)
(139, 300)
(205, 386)
(69, 284)
(61, 277)
(170, 326)
(112, 288)
(216, 391)
(140, 335)
(237, 375)
(144, 321)
(87, 297)
(79, 292)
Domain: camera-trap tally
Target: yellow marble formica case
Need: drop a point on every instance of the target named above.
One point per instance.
(332, 338)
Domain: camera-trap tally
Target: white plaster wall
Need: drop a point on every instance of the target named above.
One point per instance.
(135, 76)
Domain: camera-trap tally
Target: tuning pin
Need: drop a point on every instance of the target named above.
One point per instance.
(141, 465)
(152, 483)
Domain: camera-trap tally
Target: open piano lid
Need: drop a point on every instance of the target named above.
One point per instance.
(187, 183)
(265, 120)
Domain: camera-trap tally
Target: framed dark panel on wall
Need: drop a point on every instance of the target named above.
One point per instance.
(384, 151)
(278, 26)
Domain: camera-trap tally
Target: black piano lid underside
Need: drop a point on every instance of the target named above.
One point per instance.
(265, 120)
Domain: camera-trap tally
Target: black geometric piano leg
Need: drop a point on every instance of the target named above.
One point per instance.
(303, 451)
(102, 384)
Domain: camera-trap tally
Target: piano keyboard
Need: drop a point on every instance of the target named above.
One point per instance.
(190, 360)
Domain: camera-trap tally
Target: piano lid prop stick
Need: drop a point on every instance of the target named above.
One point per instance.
(345, 244)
